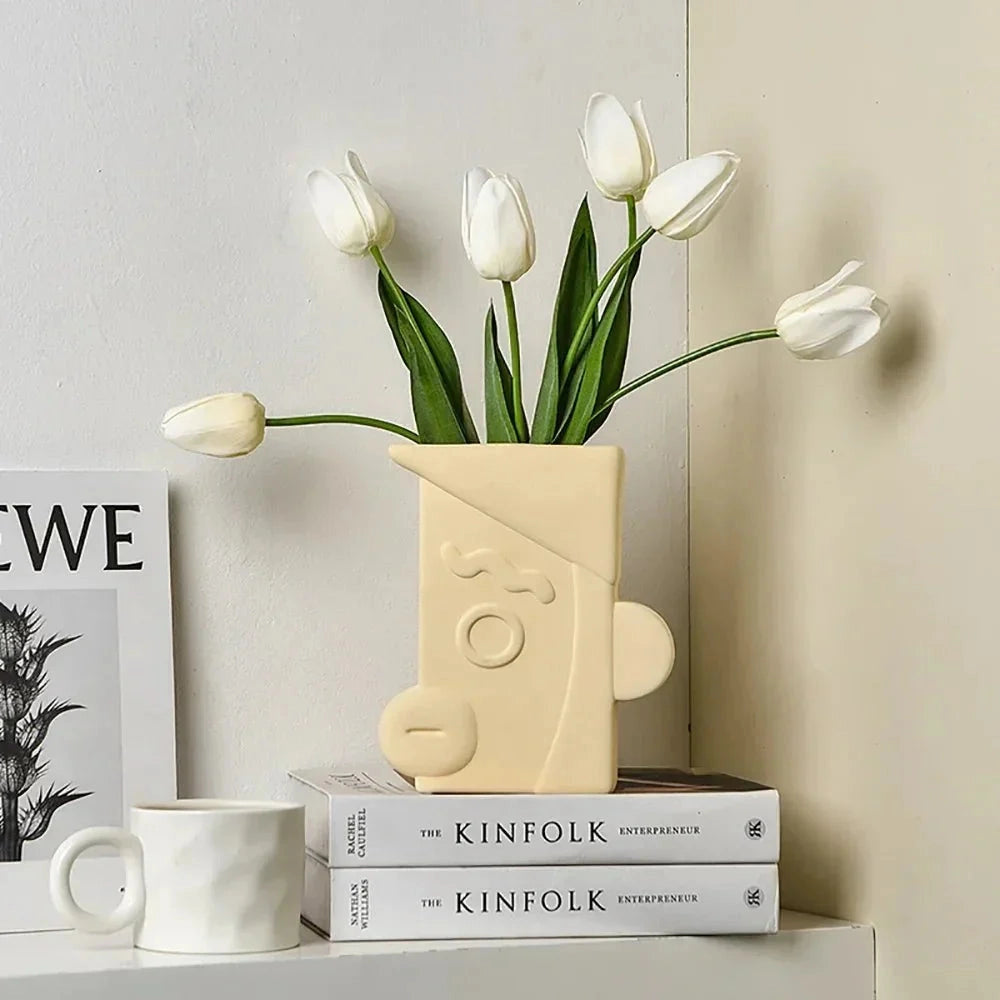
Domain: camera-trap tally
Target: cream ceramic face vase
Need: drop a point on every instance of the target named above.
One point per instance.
(525, 649)
(204, 876)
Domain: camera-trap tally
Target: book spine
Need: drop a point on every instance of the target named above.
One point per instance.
(390, 831)
(382, 904)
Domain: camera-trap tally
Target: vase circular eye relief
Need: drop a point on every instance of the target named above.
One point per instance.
(490, 636)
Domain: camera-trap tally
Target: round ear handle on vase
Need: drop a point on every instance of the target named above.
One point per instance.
(133, 901)
(644, 650)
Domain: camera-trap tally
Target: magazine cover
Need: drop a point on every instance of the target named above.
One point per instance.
(86, 672)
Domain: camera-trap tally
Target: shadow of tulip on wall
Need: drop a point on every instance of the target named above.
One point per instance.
(902, 352)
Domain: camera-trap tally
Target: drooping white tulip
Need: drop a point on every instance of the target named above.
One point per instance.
(353, 214)
(685, 198)
(226, 425)
(832, 319)
(617, 147)
(497, 230)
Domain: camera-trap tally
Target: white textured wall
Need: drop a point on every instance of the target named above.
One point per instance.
(156, 245)
(844, 516)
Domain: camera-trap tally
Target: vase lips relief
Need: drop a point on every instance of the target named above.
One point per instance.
(524, 648)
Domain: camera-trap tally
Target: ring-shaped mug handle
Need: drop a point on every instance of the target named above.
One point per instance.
(133, 901)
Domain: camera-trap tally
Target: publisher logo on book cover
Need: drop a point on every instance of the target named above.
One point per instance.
(755, 829)
(754, 897)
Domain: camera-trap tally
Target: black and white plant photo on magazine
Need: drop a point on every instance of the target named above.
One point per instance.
(60, 711)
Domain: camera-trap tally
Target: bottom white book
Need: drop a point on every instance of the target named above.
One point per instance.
(400, 904)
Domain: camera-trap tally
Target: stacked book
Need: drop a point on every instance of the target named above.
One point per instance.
(668, 852)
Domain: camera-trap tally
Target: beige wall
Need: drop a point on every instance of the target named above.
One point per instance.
(845, 518)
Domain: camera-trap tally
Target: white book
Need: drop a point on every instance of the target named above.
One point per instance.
(403, 904)
(372, 818)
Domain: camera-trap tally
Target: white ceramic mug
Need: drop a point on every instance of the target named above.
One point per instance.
(201, 876)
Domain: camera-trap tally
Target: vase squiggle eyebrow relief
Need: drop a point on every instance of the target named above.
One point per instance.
(512, 579)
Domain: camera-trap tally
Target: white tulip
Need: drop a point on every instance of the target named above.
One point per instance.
(353, 214)
(617, 148)
(684, 199)
(832, 319)
(497, 231)
(226, 425)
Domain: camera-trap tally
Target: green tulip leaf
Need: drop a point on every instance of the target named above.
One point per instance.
(500, 401)
(584, 401)
(435, 378)
(444, 354)
(569, 395)
(436, 420)
(576, 286)
(615, 351)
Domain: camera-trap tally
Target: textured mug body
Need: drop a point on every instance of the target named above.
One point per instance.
(220, 877)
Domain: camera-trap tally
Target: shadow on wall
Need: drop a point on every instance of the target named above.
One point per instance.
(754, 545)
(182, 579)
(903, 351)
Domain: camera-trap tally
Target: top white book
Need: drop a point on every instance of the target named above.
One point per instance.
(372, 818)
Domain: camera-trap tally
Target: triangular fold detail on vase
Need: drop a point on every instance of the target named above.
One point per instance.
(559, 496)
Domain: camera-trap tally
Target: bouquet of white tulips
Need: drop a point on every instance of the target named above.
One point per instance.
(591, 322)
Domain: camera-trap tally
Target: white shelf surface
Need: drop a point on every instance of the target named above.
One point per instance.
(811, 957)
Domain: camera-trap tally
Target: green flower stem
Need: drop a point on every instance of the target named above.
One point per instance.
(576, 344)
(394, 289)
(632, 228)
(343, 418)
(684, 359)
(520, 423)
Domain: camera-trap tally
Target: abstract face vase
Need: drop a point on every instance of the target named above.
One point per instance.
(524, 647)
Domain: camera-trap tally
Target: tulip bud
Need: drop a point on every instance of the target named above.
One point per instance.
(353, 214)
(832, 319)
(227, 425)
(683, 200)
(497, 230)
(617, 148)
